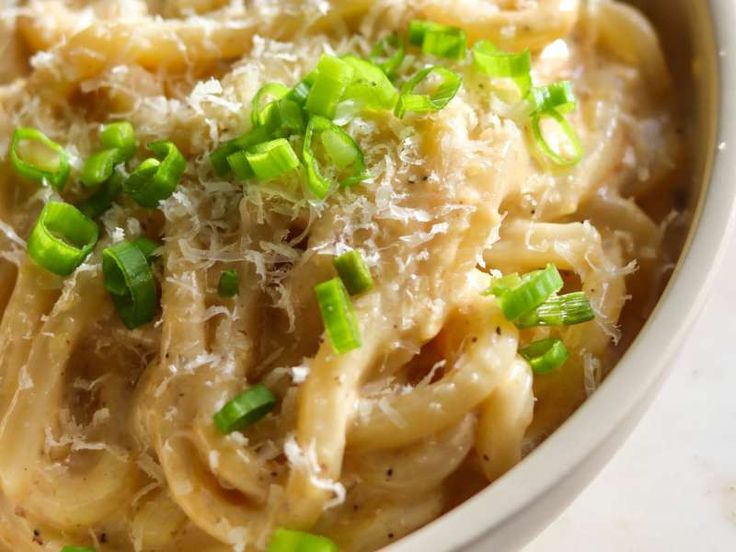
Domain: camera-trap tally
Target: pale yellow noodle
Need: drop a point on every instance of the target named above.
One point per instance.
(325, 409)
(502, 23)
(490, 345)
(503, 420)
(627, 34)
(371, 528)
(415, 468)
(71, 499)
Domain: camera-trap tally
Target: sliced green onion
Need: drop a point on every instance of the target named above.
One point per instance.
(245, 409)
(238, 163)
(281, 116)
(269, 160)
(103, 198)
(499, 286)
(438, 40)
(388, 54)
(338, 315)
(288, 116)
(119, 142)
(556, 155)
(300, 92)
(129, 279)
(551, 102)
(98, 167)
(331, 81)
(119, 135)
(139, 182)
(41, 159)
(448, 85)
(344, 152)
(563, 310)
(286, 540)
(77, 549)
(369, 87)
(62, 238)
(218, 158)
(353, 272)
(260, 114)
(148, 247)
(498, 64)
(339, 148)
(545, 355)
(532, 290)
(557, 96)
(155, 180)
(228, 284)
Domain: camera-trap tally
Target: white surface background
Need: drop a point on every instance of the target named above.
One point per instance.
(672, 486)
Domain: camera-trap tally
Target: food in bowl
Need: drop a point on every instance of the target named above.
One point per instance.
(305, 275)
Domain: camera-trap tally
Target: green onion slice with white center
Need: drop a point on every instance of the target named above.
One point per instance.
(546, 355)
(156, 178)
(442, 85)
(38, 158)
(331, 157)
(62, 238)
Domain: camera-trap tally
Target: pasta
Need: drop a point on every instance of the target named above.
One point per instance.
(107, 436)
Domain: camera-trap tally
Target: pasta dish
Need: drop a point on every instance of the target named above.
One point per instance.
(303, 275)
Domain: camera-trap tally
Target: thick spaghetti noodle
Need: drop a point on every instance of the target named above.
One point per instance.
(106, 433)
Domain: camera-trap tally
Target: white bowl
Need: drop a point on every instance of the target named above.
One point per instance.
(699, 36)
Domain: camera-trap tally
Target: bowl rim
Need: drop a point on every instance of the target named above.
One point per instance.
(642, 368)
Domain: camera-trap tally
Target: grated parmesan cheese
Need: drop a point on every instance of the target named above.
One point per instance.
(308, 462)
(214, 460)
